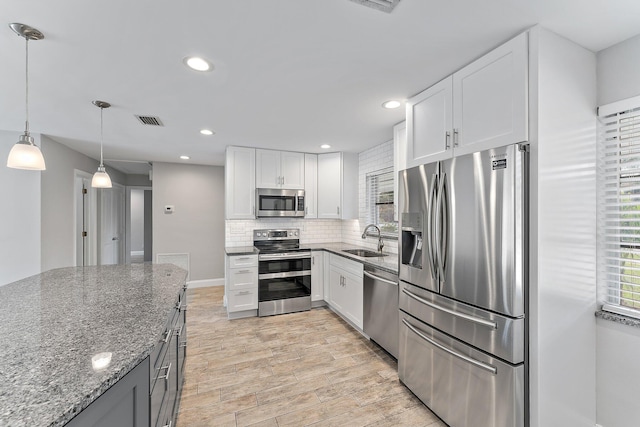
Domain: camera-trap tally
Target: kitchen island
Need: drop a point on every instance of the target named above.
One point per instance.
(54, 324)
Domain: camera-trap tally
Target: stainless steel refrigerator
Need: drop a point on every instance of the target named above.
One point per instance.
(463, 287)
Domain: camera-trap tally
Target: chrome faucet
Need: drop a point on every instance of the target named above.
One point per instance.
(364, 235)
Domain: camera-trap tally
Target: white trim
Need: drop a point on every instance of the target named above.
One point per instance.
(621, 310)
(137, 253)
(205, 283)
(618, 106)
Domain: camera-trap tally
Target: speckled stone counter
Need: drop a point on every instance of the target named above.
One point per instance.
(388, 263)
(618, 318)
(51, 325)
(241, 250)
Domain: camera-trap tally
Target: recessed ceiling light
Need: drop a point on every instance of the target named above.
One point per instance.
(391, 104)
(206, 132)
(325, 146)
(185, 157)
(197, 63)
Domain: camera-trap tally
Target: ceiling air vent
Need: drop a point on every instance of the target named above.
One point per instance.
(149, 120)
(383, 5)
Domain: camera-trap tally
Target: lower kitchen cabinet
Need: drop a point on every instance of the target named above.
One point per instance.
(149, 395)
(241, 285)
(346, 288)
(317, 277)
(125, 404)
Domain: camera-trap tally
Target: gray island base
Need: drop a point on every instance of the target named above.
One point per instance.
(79, 344)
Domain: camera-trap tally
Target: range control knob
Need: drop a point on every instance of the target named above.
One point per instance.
(295, 233)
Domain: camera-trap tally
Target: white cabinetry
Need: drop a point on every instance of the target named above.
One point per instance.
(338, 186)
(241, 285)
(346, 288)
(317, 276)
(311, 186)
(240, 188)
(279, 169)
(483, 105)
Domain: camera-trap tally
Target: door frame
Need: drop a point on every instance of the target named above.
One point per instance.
(127, 219)
(91, 241)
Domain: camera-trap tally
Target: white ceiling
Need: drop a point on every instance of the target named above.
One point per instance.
(289, 74)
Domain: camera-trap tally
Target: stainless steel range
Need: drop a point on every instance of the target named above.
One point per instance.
(284, 272)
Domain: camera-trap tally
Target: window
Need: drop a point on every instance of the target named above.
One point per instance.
(380, 207)
(619, 207)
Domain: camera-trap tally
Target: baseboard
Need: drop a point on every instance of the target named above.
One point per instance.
(137, 253)
(205, 283)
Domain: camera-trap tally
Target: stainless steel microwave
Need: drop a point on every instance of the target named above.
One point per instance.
(279, 203)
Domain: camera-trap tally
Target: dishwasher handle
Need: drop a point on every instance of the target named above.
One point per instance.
(374, 277)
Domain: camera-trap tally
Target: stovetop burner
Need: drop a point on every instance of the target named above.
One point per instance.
(279, 240)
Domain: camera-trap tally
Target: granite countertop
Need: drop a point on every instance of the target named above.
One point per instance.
(51, 325)
(388, 263)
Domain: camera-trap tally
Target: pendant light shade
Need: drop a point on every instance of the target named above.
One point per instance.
(101, 178)
(25, 154)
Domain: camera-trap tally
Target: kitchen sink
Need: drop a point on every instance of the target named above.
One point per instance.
(363, 253)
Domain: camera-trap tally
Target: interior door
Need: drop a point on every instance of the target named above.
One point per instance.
(484, 261)
(112, 222)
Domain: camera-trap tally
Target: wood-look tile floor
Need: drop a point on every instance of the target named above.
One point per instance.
(297, 369)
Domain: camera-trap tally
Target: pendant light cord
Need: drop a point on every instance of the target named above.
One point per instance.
(101, 136)
(26, 72)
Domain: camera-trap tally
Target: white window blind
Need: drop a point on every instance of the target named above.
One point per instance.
(380, 207)
(619, 209)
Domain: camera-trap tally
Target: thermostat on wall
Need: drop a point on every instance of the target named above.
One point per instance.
(169, 209)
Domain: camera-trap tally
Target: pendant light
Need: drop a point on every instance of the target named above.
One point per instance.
(25, 154)
(101, 177)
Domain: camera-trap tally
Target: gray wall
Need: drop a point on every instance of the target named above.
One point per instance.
(619, 71)
(197, 226)
(57, 219)
(20, 218)
(617, 373)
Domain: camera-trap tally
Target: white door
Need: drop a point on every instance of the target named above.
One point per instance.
(329, 185)
(310, 185)
(292, 170)
(240, 183)
(490, 99)
(85, 236)
(112, 225)
(268, 173)
(429, 124)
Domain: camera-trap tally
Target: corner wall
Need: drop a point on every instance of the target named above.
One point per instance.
(20, 219)
(618, 373)
(197, 225)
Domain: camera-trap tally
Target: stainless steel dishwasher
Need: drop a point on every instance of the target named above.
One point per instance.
(380, 311)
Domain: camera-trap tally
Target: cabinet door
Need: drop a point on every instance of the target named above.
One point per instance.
(490, 99)
(327, 277)
(337, 292)
(240, 183)
(311, 186)
(268, 172)
(429, 124)
(399, 160)
(353, 303)
(292, 170)
(317, 275)
(329, 185)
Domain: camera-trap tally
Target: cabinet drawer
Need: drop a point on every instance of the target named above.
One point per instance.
(243, 261)
(239, 300)
(242, 278)
(351, 267)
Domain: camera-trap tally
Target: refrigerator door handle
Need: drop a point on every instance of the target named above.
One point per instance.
(445, 222)
(439, 228)
(479, 321)
(430, 237)
(467, 359)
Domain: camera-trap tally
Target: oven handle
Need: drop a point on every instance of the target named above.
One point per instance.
(284, 255)
(284, 275)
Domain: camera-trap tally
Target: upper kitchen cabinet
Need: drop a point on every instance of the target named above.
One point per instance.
(279, 169)
(240, 183)
(338, 186)
(429, 124)
(311, 186)
(490, 99)
(484, 105)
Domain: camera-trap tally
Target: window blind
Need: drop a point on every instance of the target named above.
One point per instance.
(619, 209)
(380, 208)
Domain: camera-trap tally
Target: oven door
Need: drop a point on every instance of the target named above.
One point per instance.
(284, 283)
